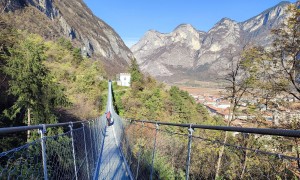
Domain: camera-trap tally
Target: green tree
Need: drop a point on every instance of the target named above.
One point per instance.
(77, 56)
(257, 63)
(31, 82)
(241, 77)
(137, 76)
(8, 37)
(65, 43)
(285, 54)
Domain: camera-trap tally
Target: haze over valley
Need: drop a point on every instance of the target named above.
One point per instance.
(187, 53)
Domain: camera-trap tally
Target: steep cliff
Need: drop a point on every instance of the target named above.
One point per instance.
(257, 29)
(71, 19)
(188, 53)
(160, 52)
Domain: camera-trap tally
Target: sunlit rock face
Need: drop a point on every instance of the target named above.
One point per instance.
(257, 29)
(189, 53)
(73, 20)
(176, 49)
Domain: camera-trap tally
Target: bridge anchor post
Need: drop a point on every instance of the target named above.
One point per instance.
(91, 143)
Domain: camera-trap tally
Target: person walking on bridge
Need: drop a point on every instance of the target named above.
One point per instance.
(108, 118)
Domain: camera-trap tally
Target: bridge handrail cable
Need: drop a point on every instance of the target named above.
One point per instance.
(264, 131)
(7, 130)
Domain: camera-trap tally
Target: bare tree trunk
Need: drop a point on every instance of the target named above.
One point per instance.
(244, 165)
(223, 147)
(220, 156)
(28, 123)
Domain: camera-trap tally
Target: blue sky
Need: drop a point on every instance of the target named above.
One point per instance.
(132, 18)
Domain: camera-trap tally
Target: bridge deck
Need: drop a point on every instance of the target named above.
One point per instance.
(111, 162)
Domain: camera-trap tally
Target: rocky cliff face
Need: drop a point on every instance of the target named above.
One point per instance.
(257, 29)
(73, 20)
(188, 53)
(164, 51)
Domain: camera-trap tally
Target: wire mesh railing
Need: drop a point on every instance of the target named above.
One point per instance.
(63, 151)
(156, 150)
(79, 150)
(131, 149)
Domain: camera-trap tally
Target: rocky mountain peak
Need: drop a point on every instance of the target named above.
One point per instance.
(257, 29)
(153, 34)
(186, 34)
(151, 40)
(185, 28)
(265, 18)
(188, 53)
(224, 24)
(226, 21)
(225, 33)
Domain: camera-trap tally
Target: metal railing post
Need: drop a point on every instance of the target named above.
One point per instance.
(139, 155)
(73, 149)
(91, 142)
(95, 140)
(44, 155)
(98, 134)
(153, 153)
(188, 161)
(86, 158)
(130, 155)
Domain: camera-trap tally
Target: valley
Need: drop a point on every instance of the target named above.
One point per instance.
(77, 103)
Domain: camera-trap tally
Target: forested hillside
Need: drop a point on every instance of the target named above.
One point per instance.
(45, 81)
(148, 99)
(152, 100)
(73, 20)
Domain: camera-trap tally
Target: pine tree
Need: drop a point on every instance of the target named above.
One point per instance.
(137, 77)
(31, 83)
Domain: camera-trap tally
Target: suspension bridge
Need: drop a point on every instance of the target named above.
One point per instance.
(136, 149)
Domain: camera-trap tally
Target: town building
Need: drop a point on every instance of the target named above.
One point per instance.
(123, 79)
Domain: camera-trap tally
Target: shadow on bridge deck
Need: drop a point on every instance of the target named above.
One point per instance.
(111, 163)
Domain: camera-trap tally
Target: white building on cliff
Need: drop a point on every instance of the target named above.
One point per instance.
(123, 79)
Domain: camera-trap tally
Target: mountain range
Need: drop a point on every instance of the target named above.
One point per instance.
(184, 53)
(73, 20)
(187, 53)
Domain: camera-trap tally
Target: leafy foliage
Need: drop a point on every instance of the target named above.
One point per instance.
(285, 54)
(147, 99)
(32, 83)
(136, 76)
(83, 79)
(51, 79)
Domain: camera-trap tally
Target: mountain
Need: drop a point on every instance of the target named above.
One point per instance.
(73, 20)
(158, 49)
(192, 54)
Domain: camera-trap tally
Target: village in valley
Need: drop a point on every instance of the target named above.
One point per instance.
(251, 112)
(268, 112)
